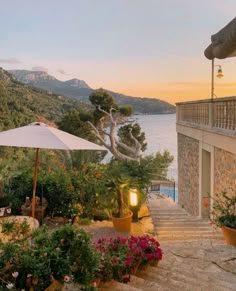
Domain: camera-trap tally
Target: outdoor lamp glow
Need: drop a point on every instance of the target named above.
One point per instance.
(220, 73)
(133, 196)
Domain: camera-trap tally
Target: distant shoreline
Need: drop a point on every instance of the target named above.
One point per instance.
(140, 114)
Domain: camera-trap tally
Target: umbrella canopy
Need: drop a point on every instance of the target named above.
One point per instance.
(39, 135)
(223, 43)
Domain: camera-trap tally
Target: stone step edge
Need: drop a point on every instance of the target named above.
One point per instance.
(199, 274)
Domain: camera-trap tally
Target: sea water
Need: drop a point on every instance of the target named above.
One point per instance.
(160, 132)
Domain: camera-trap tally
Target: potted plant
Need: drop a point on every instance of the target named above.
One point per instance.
(117, 260)
(224, 215)
(118, 183)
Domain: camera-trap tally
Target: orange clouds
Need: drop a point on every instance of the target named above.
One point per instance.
(176, 91)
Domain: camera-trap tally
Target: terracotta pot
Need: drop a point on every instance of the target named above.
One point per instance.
(143, 266)
(123, 224)
(229, 235)
(154, 263)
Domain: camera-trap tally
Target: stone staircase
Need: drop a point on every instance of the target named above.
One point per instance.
(195, 257)
(195, 265)
(171, 222)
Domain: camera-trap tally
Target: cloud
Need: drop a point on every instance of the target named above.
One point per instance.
(62, 72)
(10, 61)
(38, 68)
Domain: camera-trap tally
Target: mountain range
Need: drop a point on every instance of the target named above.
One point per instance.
(21, 104)
(80, 90)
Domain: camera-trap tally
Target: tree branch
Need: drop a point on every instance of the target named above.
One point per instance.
(136, 153)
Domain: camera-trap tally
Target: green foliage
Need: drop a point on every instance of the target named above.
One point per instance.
(121, 177)
(67, 190)
(103, 99)
(21, 104)
(65, 252)
(156, 166)
(124, 136)
(224, 209)
(8, 227)
(126, 110)
(75, 122)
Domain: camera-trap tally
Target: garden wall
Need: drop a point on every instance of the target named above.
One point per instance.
(225, 171)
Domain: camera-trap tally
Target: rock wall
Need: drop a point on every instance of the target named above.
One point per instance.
(224, 171)
(188, 173)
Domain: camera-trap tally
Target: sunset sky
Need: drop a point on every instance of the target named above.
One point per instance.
(146, 48)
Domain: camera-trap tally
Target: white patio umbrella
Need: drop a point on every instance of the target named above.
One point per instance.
(41, 136)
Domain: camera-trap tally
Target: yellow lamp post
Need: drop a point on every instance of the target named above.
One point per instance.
(219, 75)
(133, 201)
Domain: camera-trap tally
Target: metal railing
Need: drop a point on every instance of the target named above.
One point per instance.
(217, 113)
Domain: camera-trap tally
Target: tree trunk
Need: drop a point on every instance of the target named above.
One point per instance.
(120, 200)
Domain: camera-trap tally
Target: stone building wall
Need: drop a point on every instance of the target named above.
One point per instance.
(188, 173)
(224, 171)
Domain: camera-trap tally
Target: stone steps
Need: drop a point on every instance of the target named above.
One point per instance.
(171, 221)
(116, 286)
(194, 255)
(180, 271)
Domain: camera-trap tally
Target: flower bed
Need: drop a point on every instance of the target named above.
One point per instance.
(121, 256)
(67, 256)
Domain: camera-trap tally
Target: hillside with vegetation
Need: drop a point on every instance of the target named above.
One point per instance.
(21, 104)
(80, 90)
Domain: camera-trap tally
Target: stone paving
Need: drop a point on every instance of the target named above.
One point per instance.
(199, 262)
(194, 254)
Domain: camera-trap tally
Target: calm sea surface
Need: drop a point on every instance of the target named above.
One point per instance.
(160, 135)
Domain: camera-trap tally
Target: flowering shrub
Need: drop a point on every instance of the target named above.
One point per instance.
(145, 248)
(114, 258)
(224, 210)
(64, 256)
(119, 256)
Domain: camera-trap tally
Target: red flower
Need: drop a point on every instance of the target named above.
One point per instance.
(97, 175)
(71, 187)
(114, 260)
(206, 204)
(49, 169)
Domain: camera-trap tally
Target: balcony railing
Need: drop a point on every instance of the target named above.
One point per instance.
(218, 113)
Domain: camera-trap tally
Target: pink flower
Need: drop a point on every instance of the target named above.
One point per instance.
(15, 274)
(9, 286)
(67, 279)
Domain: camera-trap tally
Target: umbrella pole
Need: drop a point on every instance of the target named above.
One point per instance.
(35, 180)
